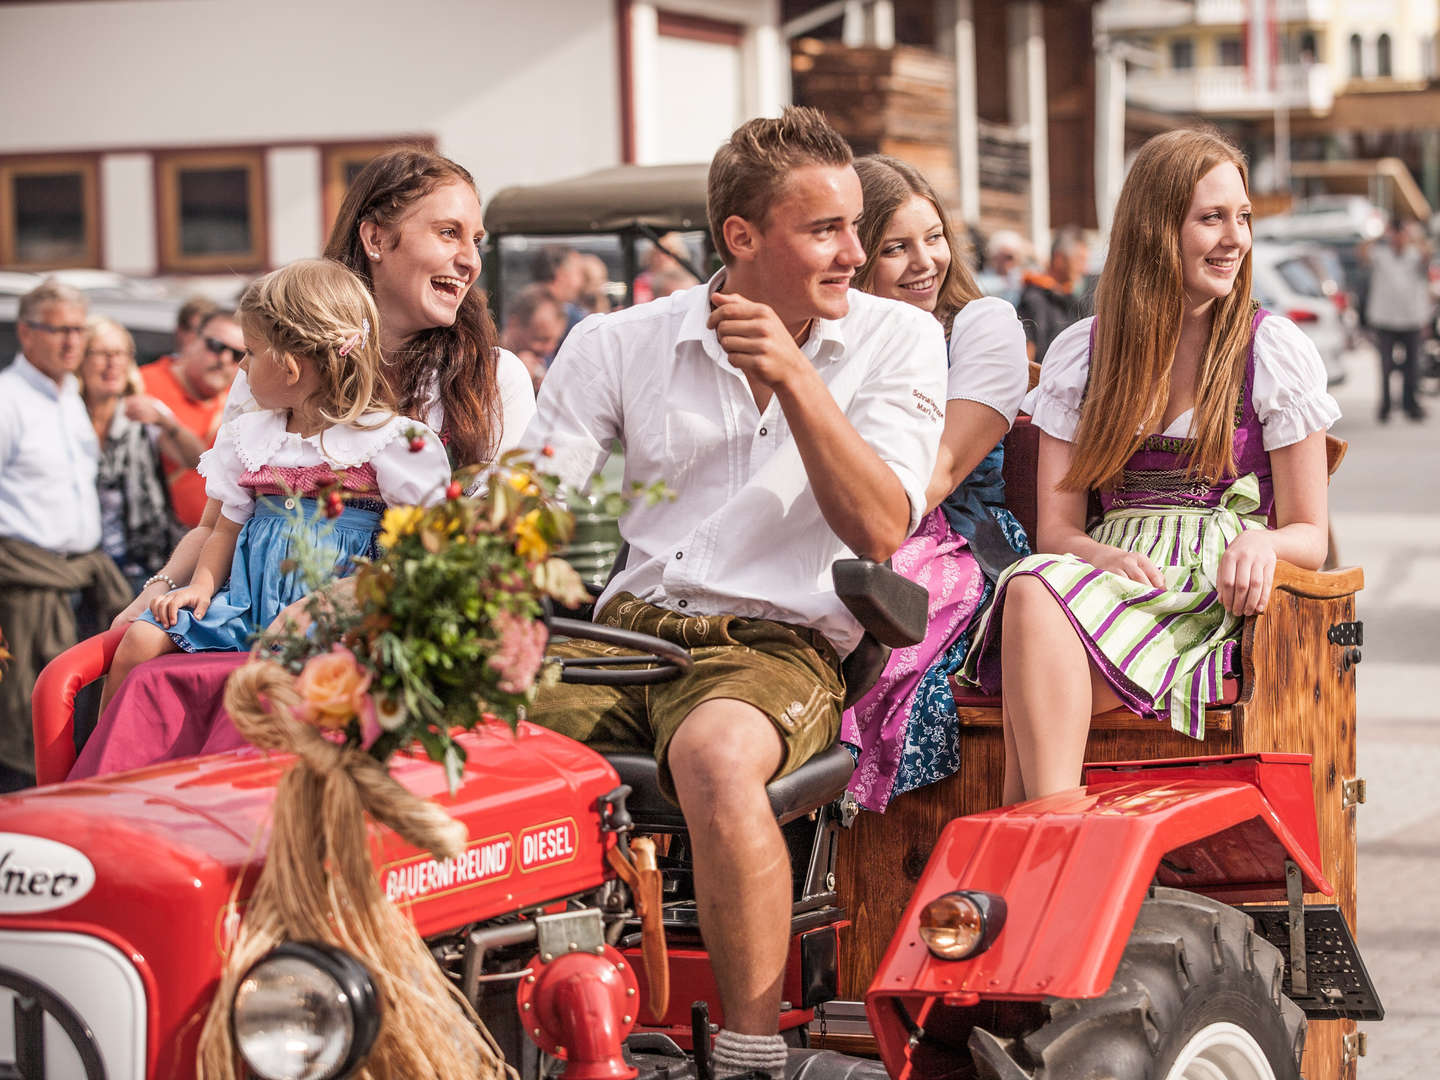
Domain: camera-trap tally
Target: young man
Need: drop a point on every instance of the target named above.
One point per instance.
(796, 423)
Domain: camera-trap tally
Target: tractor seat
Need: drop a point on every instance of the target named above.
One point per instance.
(817, 782)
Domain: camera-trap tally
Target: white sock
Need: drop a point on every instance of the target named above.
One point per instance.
(736, 1053)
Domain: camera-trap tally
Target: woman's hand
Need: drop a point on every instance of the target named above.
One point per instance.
(1247, 571)
(166, 608)
(295, 616)
(1130, 564)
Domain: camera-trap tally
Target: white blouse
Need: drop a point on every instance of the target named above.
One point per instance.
(517, 400)
(987, 357)
(258, 438)
(1288, 391)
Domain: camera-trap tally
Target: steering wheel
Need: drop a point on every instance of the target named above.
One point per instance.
(664, 660)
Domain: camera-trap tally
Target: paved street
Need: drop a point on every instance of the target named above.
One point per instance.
(1385, 506)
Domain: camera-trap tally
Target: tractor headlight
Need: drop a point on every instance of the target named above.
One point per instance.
(958, 925)
(305, 1011)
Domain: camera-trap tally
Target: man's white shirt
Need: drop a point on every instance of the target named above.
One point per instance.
(743, 534)
(49, 456)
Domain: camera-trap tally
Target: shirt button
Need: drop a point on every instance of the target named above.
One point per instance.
(684, 603)
(679, 554)
(764, 431)
(289, 504)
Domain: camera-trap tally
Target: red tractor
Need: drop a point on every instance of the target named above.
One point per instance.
(1149, 924)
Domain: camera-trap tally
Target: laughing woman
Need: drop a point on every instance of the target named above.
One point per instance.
(904, 730)
(410, 227)
(1192, 413)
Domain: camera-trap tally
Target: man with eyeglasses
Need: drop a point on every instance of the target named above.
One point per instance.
(193, 385)
(49, 511)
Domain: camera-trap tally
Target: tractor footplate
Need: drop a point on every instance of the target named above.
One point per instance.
(1338, 984)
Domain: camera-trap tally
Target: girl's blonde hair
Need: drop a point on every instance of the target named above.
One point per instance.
(1139, 303)
(887, 184)
(314, 309)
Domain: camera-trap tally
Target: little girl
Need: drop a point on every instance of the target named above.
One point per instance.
(314, 367)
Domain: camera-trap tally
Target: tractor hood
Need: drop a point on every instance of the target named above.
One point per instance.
(147, 861)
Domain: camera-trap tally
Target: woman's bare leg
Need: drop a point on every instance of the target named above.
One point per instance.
(143, 641)
(1051, 689)
(1014, 789)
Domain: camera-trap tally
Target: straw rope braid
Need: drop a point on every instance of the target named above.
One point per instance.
(319, 884)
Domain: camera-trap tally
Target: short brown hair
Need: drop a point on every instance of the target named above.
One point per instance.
(193, 312)
(750, 168)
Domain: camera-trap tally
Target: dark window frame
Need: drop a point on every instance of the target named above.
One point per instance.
(168, 166)
(87, 167)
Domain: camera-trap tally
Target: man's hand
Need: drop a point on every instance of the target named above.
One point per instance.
(755, 340)
(166, 608)
(148, 410)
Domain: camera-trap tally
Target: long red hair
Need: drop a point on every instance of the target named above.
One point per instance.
(1139, 303)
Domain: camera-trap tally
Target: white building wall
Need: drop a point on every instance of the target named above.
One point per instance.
(297, 225)
(127, 213)
(515, 94)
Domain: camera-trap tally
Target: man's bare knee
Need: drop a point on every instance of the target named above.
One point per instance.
(725, 751)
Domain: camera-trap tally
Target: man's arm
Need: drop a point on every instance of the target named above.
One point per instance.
(577, 413)
(860, 496)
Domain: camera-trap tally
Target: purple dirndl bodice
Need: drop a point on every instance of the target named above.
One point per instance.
(1155, 477)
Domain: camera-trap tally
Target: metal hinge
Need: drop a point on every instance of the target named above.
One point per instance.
(1353, 1047)
(1347, 633)
(1352, 793)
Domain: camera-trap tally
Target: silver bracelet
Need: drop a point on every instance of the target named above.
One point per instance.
(159, 577)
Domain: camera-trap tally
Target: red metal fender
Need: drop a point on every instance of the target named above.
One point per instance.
(580, 1007)
(52, 702)
(1074, 868)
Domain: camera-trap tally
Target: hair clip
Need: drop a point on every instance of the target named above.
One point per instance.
(358, 338)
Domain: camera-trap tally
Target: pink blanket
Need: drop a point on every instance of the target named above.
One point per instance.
(168, 708)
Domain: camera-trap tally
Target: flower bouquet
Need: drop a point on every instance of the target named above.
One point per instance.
(442, 630)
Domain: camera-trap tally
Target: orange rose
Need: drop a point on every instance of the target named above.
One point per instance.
(332, 688)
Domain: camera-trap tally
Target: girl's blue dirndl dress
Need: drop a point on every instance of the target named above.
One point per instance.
(282, 527)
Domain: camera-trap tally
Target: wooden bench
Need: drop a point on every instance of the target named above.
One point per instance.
(1294, 693)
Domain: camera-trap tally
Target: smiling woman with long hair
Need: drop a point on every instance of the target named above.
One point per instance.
(1193, 415)
(904, 729)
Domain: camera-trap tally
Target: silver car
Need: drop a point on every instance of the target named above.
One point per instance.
(1287, 282)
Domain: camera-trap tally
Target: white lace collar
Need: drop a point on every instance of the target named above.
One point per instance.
(260, 435)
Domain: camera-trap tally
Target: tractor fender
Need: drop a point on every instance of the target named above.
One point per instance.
(1073, 869)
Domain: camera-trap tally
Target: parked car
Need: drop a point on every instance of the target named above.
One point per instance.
(1286, 282)
(147, 307)
(1343, 219)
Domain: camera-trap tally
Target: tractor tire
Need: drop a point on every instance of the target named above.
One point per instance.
(1196, 996)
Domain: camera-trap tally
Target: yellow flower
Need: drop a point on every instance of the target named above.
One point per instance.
(522, 482)
(399, 521)
(529, 544)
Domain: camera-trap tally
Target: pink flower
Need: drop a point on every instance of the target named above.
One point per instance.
(520, 652)
(332, 688)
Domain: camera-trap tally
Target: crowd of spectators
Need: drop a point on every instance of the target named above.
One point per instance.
(97, 476)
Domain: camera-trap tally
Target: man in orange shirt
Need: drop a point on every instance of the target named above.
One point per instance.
(193, 385)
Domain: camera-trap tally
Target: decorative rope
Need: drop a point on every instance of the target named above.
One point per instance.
(319, 883)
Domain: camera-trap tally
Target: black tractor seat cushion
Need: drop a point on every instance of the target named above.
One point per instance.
(815, 783)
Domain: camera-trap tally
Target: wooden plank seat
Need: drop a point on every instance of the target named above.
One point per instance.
(1294, 692)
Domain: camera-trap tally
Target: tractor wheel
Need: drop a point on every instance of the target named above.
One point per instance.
(1196, 997)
